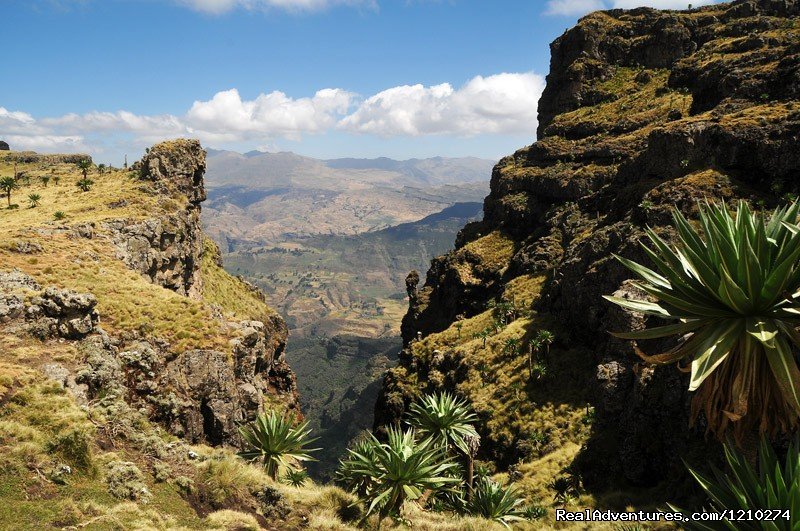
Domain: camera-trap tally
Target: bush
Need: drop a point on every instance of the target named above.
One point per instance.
(126, 482)
(495, 502)
(232, 521)
(74, 445)
(273, 504)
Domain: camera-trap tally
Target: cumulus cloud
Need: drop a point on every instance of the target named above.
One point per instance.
(498, 104)
(273, 114)
(216, 7)
(502, 103)
(47, 143)
(581, 7)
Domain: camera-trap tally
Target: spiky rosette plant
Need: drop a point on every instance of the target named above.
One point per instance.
(734, 289)
(401, 469)
(495, 502)
(355, 471)
(275, 440)
(772, 487)
(445, 420)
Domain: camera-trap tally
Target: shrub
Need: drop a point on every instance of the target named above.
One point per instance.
(495, 502)
(126, 482)
(226, 481)
(34, 200)
(232, 521)
(74, 445)
(85, 184)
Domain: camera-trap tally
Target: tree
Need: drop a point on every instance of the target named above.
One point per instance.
(733, 291)
(34, 200)
(545, 338)
(275, 440)
(483, 334)
(101, 168)
(511, 346)
(445, 420)
(45, 180)
(85, 184)
(7, 184)
(85, 165)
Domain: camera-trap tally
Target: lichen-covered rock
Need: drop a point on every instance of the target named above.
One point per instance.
(26, 247)
(51, 313)
(64, 313)
(167, 249)
(643, 111)
(181, 163)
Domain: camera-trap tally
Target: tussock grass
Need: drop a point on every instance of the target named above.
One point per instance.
(231, 294)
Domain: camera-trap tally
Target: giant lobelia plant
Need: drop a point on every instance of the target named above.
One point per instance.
(399, 470)
(276, 440)
(733, 288)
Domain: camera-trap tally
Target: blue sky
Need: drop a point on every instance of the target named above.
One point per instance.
(324, 78)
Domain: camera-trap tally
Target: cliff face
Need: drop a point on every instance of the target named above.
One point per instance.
(643, 111)
(167, 249)
(196, 350)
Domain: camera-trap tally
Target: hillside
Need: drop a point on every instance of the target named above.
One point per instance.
(644, 110)
(272, 198)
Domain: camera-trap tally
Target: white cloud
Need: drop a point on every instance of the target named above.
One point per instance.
(502, 103)
(580, 7)
(270, 115)
(499, 104)
(222, 6)
(47, 143)
(569, 8)
(119, 121)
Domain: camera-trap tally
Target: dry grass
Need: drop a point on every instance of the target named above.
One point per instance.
(227, 292)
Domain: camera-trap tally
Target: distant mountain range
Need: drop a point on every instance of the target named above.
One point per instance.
(258, 169)
(257, 198)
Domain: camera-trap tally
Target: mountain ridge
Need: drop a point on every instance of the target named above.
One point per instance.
(644, 111)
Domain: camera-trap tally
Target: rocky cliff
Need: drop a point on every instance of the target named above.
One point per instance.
(199, 380)
(644, 110)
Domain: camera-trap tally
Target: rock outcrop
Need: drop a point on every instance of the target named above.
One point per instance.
(643, 111)
(50, 312)
(4, 146)
(167, 249)
(201, 394)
